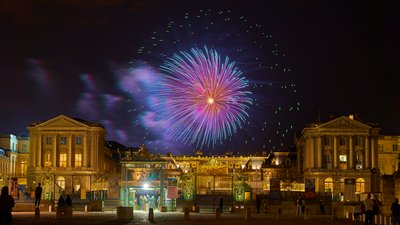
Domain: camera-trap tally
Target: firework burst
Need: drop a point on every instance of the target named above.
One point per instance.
(204, 97)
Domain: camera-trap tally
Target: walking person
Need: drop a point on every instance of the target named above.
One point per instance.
(6, 205)
(395, 212)
(38, 195)
(369, 210)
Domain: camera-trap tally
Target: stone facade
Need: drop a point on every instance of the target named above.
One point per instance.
(68, 156)
(340, 149)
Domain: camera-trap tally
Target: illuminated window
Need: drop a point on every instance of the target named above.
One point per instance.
(78, 160)
(328, 185)
(360, 185)
(78, 140)
(24, 167)
(47, 160)
(48, 140)
(63, 140)
(61, 182)
(343, 161)
(63, 160)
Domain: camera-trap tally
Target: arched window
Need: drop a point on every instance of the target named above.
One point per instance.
(328, 185)
(360, 185)
(61, 182)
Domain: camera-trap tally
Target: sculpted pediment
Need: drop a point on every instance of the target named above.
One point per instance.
(62, 121)
(344, 123)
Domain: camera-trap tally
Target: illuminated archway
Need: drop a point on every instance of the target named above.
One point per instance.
(328, 185)
(360, 184)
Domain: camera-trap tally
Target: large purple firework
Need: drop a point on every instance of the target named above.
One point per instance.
(204, 97)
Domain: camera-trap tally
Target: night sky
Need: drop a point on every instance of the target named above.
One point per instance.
(305, 61)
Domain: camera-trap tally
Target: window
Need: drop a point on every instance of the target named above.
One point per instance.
(342, 140)
(359, 140)
(327, 141)
(78, 160)
(328, 185)
(395, 147)
(359, 161)
(48, 140)
(24, 167)
(61, 182)
(63, 160)
(63, 140)
(343, 162)
(360, 185)
(78, 140)
(47, 160)
(328, 161)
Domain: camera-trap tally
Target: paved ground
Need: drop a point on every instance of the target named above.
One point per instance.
(92, 218)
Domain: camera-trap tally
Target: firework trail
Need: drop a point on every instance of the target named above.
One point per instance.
(204, 97)
(199, 98)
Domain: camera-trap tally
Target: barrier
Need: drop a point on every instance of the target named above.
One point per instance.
(151, 216)
(124, 213)
(187, 216)
(218, 214)
(63, 212)
(247, 214)
(37, 213)
(278, 212)
(307, 213)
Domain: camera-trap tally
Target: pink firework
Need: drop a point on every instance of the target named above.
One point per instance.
(204, 98)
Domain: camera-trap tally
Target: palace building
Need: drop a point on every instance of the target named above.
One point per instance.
(69, 156)
(339, 159)
(339, 152)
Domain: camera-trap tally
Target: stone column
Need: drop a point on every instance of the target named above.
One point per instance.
(319, 152)
(33, 149)
(367, 155)
(55, 145)
(91, 150)
(84, 154)
(373, 153)
(351, 153)
(335, 152)
(69, 157)
(312, 150)
(39, 150)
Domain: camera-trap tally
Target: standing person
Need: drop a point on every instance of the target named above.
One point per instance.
(303, 206)
(68, 201)
(221, 204)
(395, 212)
(258, 203)
(298, 204)
(38, 195)
(322, 207)
(369, 210)
(61, 201)
(6, 205)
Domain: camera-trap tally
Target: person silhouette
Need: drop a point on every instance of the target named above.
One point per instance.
(6, 205)
(38, 195)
